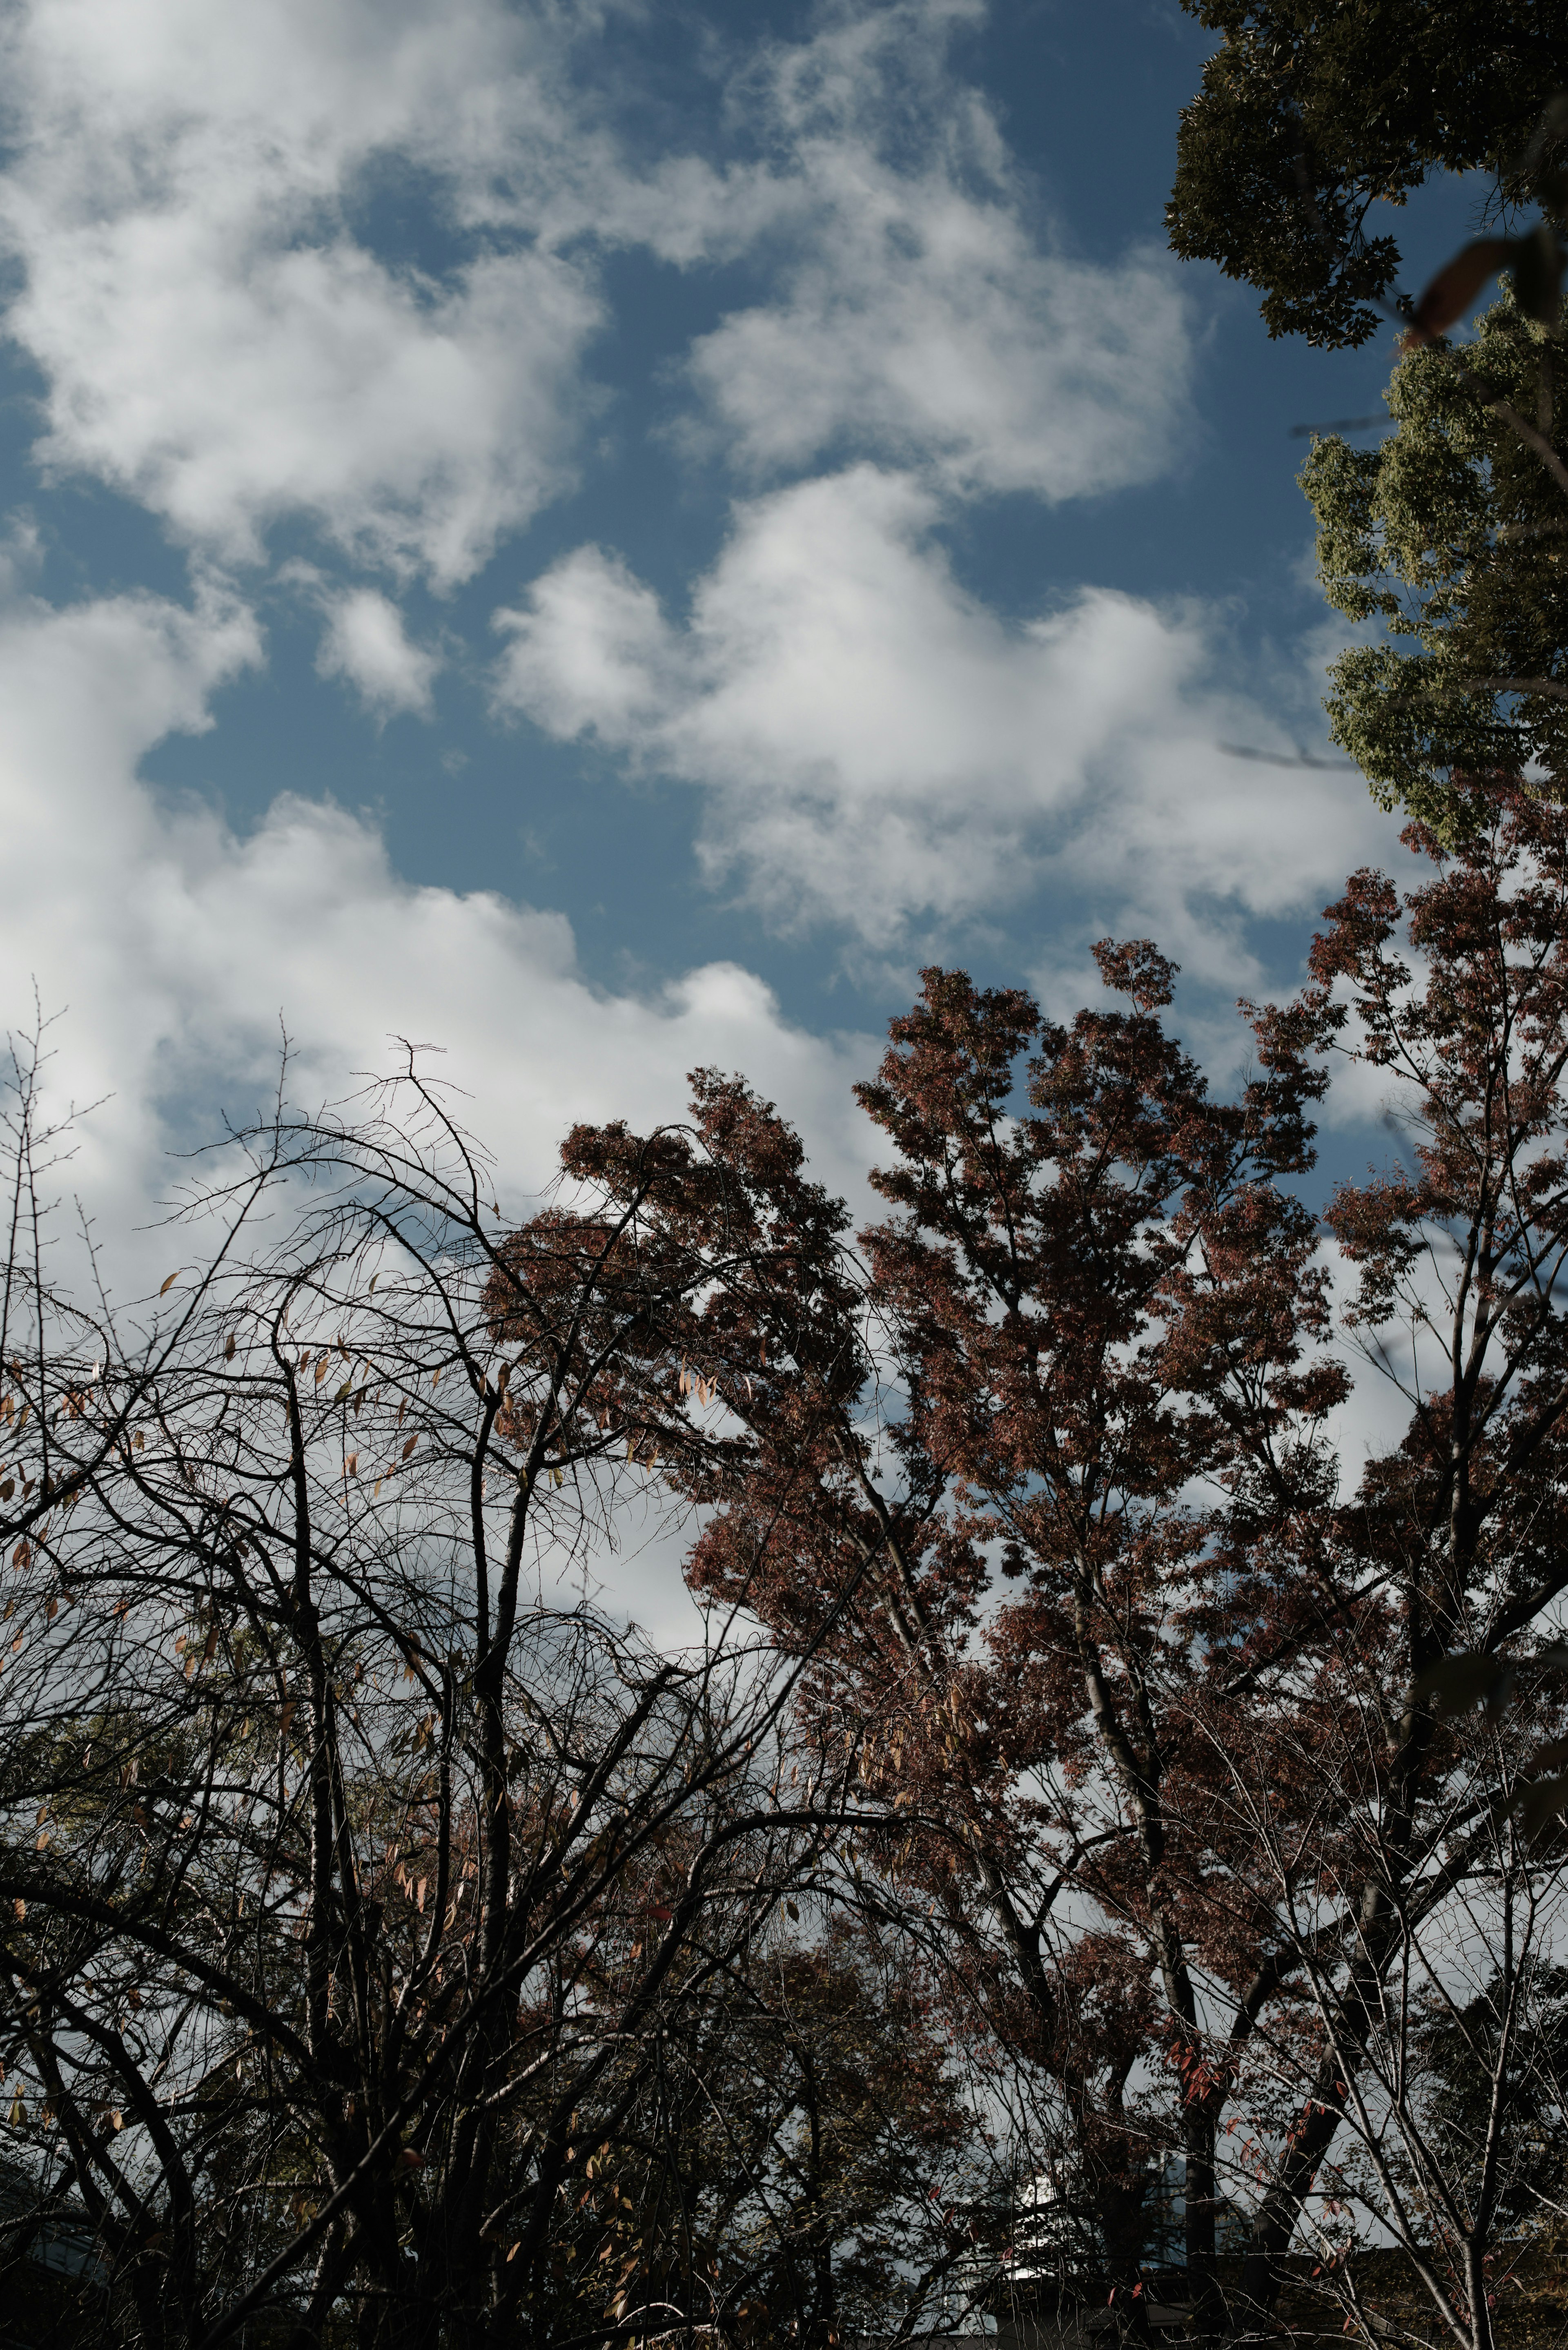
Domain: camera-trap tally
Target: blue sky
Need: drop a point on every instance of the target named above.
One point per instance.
(603, 537)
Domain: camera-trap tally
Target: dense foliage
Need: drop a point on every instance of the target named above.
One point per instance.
(1453, 535)
(1312, 111)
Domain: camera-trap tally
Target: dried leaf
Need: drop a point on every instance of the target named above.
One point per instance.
(171, 1280)
(1446, 298)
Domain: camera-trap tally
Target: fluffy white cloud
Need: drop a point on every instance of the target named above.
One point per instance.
(917, 317)
(217, 338)
(174, 954)
(190, 195)
(877, 747)
(175, 949)
(366, 643)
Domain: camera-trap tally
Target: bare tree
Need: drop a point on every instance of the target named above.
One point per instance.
(353, 1872)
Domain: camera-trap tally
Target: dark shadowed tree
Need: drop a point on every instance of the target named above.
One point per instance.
(353, 1878)
(1061, 1430)
(1310, 114)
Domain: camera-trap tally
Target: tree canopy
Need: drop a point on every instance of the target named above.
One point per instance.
(1074, 1770)
(1312, 111)
(1453, 535)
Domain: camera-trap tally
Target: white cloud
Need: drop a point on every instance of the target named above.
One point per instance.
(174, 948)
(366, 643)
(217, 340)
(877, 747)
(934, 332)
(187, 192)
(917, 317)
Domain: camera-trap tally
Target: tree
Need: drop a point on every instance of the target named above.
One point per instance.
(351, 1881)
(1042, 1476)
(1106, 1723)
(1091, 1310)
(1452, 534)
(1310, 115)
(802, 2164)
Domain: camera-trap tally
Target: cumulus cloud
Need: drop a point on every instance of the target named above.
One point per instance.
(175, 949)
(366, 643)
(877, 747)
(218, 340)
(190, 195)
(175, 954)
(917, 315)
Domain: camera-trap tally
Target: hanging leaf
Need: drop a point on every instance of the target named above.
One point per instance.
(229, 1348)
(171, 1280)
(1535, 260)
(410, 1444)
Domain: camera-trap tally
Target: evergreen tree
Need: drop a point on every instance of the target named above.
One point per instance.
(1453, 535)
(1313, 110)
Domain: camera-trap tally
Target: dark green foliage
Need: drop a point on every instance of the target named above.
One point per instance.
(1454, 535)
(1310, 111)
